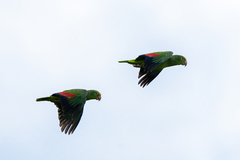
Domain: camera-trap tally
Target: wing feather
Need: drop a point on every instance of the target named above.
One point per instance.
(70, 109)
(147, 72)
(148, 77)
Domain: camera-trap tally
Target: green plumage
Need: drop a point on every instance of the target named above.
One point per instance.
(152, 64)
(70, 104)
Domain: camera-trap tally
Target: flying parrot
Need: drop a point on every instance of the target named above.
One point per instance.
(151, 64)
(70, 105)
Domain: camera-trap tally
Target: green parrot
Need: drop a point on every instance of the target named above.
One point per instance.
(151, 64)
(70, 105)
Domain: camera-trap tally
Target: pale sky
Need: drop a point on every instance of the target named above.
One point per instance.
(186, 113)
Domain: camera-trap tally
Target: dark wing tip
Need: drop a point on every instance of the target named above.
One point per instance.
(148, 78)
(69, 126)
(69, 122)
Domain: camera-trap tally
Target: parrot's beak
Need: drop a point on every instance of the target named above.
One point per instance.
(185, 63)
(99, 97)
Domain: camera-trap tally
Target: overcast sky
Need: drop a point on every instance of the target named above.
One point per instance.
(186, 113)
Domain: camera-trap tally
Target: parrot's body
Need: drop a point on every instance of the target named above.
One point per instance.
(70, 105)
(152, 64)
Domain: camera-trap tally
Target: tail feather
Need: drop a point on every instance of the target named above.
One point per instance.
(131, 62)
(122, 61)
(43, 99)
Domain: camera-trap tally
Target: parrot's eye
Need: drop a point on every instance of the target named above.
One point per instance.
(182, 58)
(96, 93)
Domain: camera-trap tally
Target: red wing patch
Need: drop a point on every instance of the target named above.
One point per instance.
(67, 94)
(152, 55)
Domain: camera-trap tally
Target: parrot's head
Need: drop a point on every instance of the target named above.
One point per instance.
(184, 61)
(99, 96)
(179, 60)
(93, 94)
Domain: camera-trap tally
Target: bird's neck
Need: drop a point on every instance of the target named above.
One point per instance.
(90, 96)
(171, 62)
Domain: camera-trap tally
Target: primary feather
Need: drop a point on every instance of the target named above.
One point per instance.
(152, 64)
(70, 104)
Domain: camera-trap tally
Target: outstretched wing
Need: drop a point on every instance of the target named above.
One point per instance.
(148, 77)
(70, 109)
(152, 60)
